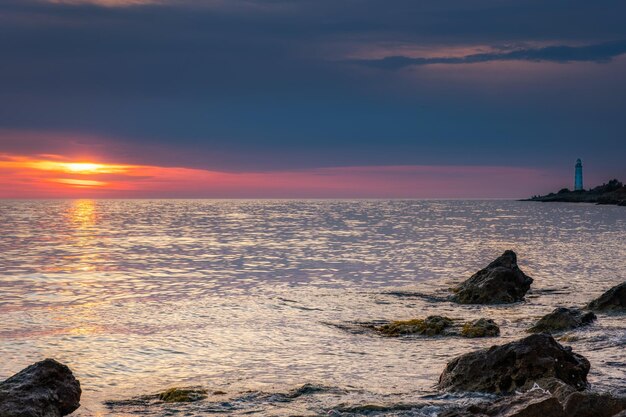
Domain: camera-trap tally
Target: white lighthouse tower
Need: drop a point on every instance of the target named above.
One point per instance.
(578, 176)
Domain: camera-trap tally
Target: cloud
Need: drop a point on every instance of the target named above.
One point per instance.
(601, 52)
(105, 3)
(237, 85)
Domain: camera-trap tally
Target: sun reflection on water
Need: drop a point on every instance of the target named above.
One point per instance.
(83, 221)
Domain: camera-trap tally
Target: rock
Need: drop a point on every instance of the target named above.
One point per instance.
(548, 403)
(431, 326)
(500, 282)
(506, 368)
(480, 328)
(593, 404)
(561, 319)
(531, 404)
(557, 388)
(183, 395)
(612, 300)
(44, 389)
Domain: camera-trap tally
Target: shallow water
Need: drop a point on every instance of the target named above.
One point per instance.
(253, 298)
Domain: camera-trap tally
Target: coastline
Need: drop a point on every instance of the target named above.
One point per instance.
(611, 193)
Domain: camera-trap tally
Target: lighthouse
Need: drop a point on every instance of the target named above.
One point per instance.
(578, 176)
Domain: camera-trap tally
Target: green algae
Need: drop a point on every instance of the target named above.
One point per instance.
(182, 395)
(480, 328)
(431, 326)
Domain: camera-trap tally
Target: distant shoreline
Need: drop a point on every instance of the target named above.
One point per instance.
(613, 192)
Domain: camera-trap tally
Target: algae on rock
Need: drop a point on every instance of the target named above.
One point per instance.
(182, 395)
(431, 326)
(480, 328)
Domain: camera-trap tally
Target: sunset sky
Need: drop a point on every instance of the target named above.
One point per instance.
(309, 98)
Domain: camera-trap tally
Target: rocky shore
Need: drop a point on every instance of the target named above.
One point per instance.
(534, 375)
(613, 192)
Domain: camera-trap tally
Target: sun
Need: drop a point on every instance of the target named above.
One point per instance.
(84, 167)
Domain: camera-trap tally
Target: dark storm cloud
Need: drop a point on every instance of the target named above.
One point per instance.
(602, 52)
(263, 84)
(227, 48)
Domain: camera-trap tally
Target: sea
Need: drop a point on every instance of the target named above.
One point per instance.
(265, 303)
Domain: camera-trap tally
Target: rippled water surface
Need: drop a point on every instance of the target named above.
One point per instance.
(255, 299)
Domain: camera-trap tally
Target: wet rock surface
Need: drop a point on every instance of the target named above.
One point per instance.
(612, 300)
(44, 389)
(431, 326)
(563, 318)
(210, 402)
(539, 402)
(501, 282)
(480, 328)
(506, 368)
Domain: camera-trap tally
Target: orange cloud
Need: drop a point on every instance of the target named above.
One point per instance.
(52, 176)
(81, 183)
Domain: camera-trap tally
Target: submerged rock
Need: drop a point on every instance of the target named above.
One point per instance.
(612, 300)
(182, 395)
(44, 389)
(562, 318)
(531, 404)
(593, 404)
(559, 400)
(431, 326)
(503, 369)
(501, 282)
(480, 328)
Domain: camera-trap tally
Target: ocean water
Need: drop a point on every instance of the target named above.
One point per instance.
(260, 301)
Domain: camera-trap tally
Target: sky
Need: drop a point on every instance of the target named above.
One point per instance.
(309, 98)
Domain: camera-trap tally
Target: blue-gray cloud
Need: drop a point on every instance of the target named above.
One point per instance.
(601, 52)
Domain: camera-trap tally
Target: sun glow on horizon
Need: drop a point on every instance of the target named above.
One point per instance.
(52, 169)
(48, 175)
(79, 167)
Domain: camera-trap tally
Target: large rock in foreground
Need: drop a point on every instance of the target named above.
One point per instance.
(506, 368)
(500, 282)
(562, 318)
(44, 389)
(612, 300)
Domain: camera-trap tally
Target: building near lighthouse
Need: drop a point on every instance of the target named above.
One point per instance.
(578, 176)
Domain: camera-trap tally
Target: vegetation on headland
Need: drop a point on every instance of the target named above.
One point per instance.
(613, 192)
